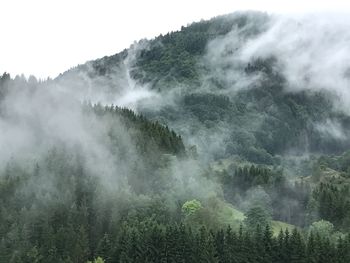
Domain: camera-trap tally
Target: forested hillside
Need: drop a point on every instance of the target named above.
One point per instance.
(225, 141)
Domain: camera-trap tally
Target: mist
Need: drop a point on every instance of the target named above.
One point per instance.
(312, 52)
(309, 53)
(223, 116)
(43, 121)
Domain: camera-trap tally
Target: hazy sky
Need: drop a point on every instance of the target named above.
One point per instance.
(46, 37)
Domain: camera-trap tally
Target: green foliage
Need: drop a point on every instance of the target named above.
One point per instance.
(267, 187)
(55, 209)
(339, 163)
(333, 203)
(322, 228)
(72, 215)
(257, 216)
(97, 260)
(263, 120)
(150, 137)
(175, 55)
(191, 207)
(178, 243)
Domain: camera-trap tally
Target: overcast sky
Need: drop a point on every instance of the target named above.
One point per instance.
(47, 37)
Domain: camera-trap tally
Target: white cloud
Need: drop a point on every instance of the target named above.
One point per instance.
(312, 51)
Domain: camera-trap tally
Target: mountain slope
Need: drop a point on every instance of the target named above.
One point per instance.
(196, 81)
(226, 155)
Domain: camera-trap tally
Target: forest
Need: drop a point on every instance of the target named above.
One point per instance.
(181, 148)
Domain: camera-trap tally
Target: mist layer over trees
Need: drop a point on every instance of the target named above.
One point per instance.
(226, 141)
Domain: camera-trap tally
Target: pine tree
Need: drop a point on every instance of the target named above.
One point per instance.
(81, 250)
(105, 248)
(311, 249)
(268, 245)
(220, 246)
(211, 251)
(297, 247)
(230, 246)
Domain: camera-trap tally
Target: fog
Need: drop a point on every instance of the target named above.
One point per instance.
(310, 53)
(45, 125)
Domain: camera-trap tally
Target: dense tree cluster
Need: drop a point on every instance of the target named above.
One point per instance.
(262, 119)
(332, 203)
(330, 198)
(270, 189)
(150, 137)
(146, 199)
(175, 55)
(56, 209)
(150, 242)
